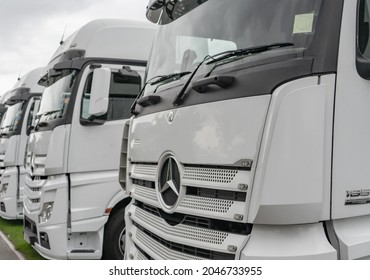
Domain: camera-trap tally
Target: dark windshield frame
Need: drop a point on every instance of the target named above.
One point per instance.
(262, 78)
(324, 59)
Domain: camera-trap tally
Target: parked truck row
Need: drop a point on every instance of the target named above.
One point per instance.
(244, 137)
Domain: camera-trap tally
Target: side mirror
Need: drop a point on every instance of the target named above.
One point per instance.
(154, 10)
(99, 97)
(362, 65)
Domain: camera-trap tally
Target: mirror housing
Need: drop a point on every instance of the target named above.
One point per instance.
(362, 65)
(99, 97)
(154, 9)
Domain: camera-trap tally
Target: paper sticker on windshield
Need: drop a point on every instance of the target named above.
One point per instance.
(303, 23)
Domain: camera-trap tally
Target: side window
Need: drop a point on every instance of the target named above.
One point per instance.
(32, 113)
(363, 28)
(86, 97)
(122, 93)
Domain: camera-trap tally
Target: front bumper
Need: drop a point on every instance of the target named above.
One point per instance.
(49, 238)
(55, 238)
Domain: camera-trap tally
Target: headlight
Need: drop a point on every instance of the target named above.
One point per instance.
(3, 189)
(47, 210)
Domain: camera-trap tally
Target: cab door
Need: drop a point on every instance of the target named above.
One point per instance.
(351, 143)
(95, 144)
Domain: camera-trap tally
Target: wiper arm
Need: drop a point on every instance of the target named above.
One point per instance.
(224, 55)
(251, 50)
(153, 81)
(179, 98)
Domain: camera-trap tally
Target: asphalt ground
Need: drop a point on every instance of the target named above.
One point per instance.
(6, 253)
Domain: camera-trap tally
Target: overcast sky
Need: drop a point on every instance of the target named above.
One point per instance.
(30, 30)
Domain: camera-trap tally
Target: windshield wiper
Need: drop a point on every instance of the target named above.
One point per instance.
(47, 113)
(167, 77)
(251, 50)
(153, 81)
(224, 55)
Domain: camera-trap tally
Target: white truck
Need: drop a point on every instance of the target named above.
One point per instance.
(74, 203)
(23, 102)
(257, 145)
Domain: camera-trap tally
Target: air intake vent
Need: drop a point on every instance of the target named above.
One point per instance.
(123, 159)
(219, 194)
(214, 175)
(144, 183)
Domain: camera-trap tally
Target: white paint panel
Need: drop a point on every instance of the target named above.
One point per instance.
(354, 237)
(91, 193)
(214, 133)
(351, 151)
(57, 151)
(288, 242)
(292, 182)
(11, 150)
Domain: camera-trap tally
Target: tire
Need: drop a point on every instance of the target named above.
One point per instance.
(114, 237)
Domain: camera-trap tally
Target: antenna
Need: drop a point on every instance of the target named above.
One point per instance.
(19, 75)
(64, 32)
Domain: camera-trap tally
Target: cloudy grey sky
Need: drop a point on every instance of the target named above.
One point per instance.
(30, 30)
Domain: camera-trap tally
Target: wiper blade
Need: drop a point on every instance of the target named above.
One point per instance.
(47, 113)
(167, 77)
(152, 81)
(251, 50)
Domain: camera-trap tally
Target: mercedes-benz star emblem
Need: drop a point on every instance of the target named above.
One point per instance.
(171, 116)
(169, 182)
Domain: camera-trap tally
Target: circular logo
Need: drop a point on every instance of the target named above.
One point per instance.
(169, 183)
(171, 116)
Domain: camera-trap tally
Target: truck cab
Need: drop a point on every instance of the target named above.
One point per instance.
(22, 104)
(74, 204)
(256, 146)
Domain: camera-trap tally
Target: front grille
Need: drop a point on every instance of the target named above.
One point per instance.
(35, 200)
(210, 217)
(185, 249)
(123, 157)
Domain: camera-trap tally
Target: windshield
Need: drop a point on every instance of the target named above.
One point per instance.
(55, 99)
(191, 29)
(11, 118)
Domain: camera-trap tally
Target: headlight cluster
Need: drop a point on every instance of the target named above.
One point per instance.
(3, 188)
(47, 210)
